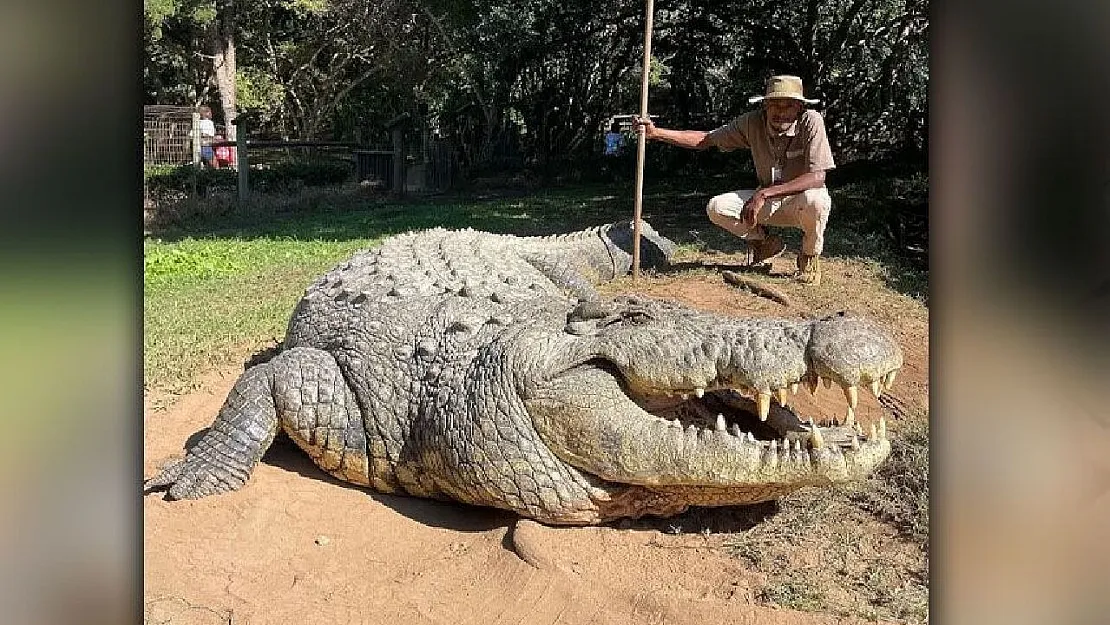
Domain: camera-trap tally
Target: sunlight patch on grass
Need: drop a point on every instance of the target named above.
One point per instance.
(192, 260)
(205, 301)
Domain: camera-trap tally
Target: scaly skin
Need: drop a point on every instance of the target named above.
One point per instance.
(485, 369)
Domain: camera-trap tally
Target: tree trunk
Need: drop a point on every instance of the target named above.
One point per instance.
(223, 61)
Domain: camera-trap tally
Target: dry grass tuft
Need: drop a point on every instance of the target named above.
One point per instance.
(859, 550)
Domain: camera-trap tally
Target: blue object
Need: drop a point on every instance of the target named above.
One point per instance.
(614, 141)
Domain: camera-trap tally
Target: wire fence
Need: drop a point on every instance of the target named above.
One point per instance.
(168, 135)
(171, 135)
(178, 170)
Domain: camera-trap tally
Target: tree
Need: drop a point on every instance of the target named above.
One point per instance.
(222, 37)
(532, 82)
(191, 47)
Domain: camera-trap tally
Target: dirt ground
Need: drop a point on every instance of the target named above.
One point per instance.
(296, 546)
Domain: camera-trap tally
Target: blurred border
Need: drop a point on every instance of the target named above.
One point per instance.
(70, 313)
(1020, 211)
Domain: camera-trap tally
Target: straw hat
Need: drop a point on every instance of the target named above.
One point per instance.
(783, 87)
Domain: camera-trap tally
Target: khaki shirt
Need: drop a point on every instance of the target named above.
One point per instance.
(803, 148)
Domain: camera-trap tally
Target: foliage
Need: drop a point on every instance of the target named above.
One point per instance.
(258, 91)
(166, 182)
(531, 84)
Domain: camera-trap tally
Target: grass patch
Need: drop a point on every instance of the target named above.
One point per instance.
(855, 550)
(208, 303)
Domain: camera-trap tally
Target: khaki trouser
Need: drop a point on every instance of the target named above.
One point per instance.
(808, 211)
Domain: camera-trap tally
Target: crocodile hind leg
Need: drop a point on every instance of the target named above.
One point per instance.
(301, 390)
(222, 460)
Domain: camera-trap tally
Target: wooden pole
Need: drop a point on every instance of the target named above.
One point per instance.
(642, 141)
(196, 138)
(398, 181)
(242, 159)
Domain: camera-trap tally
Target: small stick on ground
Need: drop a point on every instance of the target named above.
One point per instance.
(757, 287)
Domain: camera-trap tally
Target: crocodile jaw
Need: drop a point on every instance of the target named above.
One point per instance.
(588, 420)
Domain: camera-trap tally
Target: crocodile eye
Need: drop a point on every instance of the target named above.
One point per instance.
(587, 310)
(637, 316)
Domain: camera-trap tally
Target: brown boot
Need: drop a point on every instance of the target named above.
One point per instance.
(809, 269)
(766, 249)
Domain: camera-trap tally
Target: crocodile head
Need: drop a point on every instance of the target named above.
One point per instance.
(682, 407)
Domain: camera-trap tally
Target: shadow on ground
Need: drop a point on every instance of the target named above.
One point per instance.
(285, 454)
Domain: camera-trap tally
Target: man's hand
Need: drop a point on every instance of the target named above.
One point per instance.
(751, 207)
(646, 126)
(693, 139)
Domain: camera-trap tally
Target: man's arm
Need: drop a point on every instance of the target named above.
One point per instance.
(692, 139)
(808, 180)
(805, 182)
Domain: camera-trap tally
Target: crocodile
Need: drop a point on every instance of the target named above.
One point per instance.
(486, 369)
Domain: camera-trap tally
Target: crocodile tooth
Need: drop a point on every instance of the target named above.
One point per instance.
(852, 395)
(882, 426)
(721, 425)
(771, 459)
(734, 429)
(874, 434)
(858, 428)
(797, 445)
(675, 423)
(827, 382)
(876, 389)
(888, 381)
(685, 396)
(851, 418)
(763, 400)
(780, 395)
(793, 388)
(775, 445)
(751, 439)
(699, 392)
(855, 442)
(815, 439)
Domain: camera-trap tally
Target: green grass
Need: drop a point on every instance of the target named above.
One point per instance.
(207, 301)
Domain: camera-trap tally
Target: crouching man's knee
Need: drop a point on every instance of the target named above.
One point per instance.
(724, 208)
(712, 210)
(711, 207)
(817, 199)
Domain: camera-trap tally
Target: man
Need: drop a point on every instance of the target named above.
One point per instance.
(791, 154)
